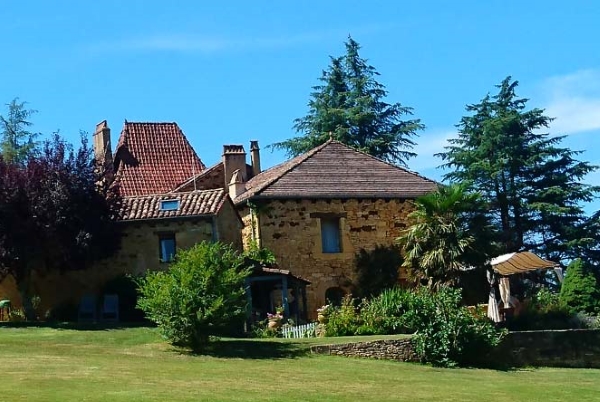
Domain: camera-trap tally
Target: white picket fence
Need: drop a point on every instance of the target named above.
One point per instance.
(300, 331)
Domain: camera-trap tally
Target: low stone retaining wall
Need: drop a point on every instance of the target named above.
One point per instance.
(389, 349)
(557, 348)
(577, 348)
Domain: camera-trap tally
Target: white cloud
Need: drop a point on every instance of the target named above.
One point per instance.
(429, 144)
(574, 100)
(186, 42)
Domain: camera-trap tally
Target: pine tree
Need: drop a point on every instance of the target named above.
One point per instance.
(16, 142)
(349, 106)
(580, 291)
(532, 185)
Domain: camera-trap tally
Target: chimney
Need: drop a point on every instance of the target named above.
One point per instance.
(102, 148)
(255, 157)
(236, 185)
(234, 158)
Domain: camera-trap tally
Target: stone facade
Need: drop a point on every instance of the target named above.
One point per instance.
(139, 252)
(292, 230)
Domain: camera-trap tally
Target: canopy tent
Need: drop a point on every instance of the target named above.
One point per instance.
(516, 263)
(509, 264)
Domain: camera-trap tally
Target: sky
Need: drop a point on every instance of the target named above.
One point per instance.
(238, 71)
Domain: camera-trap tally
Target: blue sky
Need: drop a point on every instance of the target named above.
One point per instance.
(236, 71)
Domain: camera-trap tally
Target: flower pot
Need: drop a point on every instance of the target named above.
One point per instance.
(274, 323)
(322, 318)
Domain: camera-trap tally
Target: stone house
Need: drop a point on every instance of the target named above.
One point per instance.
(315, 212)
(150, 161)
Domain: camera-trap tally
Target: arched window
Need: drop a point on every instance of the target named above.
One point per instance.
(334, 296)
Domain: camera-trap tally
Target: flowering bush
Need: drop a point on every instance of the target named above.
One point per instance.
(276, 316)
(324, 310)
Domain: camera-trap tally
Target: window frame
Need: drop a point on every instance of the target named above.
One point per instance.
(330, 222)
(169, 205)
(162, 238)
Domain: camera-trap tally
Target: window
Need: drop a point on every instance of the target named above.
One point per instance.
(169, 205)
(330, 235)
(166, 247)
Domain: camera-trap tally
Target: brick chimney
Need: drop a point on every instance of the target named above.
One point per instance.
(234, 158)
(255, 157)
(236, 185)
(102, 148)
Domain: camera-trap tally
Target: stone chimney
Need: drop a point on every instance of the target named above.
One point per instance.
(234, 158)
(236, 185)
(102, 148)
(255, 157)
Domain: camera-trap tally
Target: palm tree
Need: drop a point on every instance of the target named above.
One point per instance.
(448, 234)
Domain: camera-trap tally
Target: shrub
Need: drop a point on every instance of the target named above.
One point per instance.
(385, 314)
(377, 270)
(201, 294)
(580, 291)
(544, 311)
(449, 334)
(343, 320)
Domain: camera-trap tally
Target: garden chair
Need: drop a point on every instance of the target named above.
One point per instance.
(110, 308)
(87, 308)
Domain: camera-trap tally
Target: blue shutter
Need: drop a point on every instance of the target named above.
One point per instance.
(167, 249)
(330, 235)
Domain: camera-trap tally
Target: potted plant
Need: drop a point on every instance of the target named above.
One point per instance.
(323, 314)
(275, 320)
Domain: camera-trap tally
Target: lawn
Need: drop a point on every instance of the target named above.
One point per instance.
(45, 364)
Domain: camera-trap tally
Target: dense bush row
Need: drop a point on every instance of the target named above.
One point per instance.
(446, 333)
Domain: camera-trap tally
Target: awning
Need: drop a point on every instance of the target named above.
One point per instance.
(515, 263)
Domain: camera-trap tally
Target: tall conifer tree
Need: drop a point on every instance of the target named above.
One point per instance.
(349, 106)
(532, 185)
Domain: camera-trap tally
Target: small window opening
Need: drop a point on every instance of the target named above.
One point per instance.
(169, 205)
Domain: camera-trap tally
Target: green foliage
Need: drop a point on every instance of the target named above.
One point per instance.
(543, 312)
(201, 294)
(533, 187)
(343, 320)
(377, 269)
(349, 106)
(387, 313)
(448, 232)
(16, 142)
(259, 254)
(580, 290)
(448, 334)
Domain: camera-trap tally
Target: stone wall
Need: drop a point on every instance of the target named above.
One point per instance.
(139, 252)
(559, 348)
(229, 226)
(292, 230)
(577, 348)
(391, 349)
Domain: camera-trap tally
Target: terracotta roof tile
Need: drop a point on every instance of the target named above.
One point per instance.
(194, 203)
(334, 170)
(153, 158)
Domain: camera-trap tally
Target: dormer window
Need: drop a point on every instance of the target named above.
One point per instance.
(169, 205)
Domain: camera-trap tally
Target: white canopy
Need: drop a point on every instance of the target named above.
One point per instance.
(514, 263)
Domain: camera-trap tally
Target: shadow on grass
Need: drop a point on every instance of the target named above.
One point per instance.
(252, 349)
(77, 326)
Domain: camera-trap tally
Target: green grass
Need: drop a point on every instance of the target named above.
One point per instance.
(45, 364)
